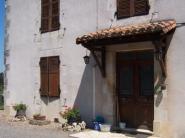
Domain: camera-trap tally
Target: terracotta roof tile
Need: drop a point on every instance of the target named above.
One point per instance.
(161, 27)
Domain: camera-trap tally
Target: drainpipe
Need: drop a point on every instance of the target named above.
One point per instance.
(94, 92)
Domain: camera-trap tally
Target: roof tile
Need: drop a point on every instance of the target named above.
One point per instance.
(162, 27)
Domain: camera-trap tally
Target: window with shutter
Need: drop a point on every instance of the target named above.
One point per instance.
(141, 7)
(50, 15)
(129, 8)
(50, 74)
(123, 8)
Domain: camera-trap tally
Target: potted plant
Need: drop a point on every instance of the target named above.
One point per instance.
(39, 117)
(72, 115)
(20, 110)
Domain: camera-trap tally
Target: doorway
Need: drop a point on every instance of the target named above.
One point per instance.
(135, 88)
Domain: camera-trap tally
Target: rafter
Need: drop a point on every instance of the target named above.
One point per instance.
(100, 62)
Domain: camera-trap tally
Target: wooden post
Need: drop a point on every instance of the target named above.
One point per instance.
(102, 64)
(158, 48)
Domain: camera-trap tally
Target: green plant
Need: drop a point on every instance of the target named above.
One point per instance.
(70, 113)
(19, 107)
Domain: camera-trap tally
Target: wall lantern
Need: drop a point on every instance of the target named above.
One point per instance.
(86, 59)
(159, 54)
(163, 86)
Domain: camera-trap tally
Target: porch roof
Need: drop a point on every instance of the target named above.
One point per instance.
(130, 33)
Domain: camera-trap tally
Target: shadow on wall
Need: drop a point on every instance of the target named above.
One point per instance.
(47, 100)
(84, 98)
(161, 80)
(158, 91)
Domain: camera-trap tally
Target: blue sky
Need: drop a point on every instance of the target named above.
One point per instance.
(2, 11)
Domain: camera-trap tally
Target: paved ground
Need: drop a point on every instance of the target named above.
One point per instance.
(9, 129)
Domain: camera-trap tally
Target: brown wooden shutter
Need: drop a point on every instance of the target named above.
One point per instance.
(44, 77)
(123, 8)
(54, 75)
(141, 7)
(50, 76)
(50, 15)
(129, 8)
(45, 13)
(55, 25)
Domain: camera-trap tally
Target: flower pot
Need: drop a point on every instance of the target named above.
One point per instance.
(72, 120)
(20, 113)
(39, 117)
(96, 126)
(105, 127)
(122, 125)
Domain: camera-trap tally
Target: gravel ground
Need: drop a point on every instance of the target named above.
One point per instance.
(10, 129)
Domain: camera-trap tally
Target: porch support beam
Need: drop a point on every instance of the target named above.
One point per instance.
(101, 64)
(160, 48)
(163, 67)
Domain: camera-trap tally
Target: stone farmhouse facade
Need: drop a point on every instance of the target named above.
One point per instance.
(136, 58)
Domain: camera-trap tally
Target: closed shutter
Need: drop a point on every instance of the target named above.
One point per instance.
(129, 8)
(49, 15)
(50, 76)
(141, 7)
(55, 25)
(44, 77)
(123, 8)
(45, 13)
(54, 89)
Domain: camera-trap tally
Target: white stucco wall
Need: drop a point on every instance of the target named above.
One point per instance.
(26, 45)
(175, 67)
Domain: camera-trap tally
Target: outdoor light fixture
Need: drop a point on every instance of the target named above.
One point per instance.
(86, 58)
(159, 54)
(163, 86)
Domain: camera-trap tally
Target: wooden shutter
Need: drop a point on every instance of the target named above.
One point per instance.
(54, 75)
(49, 15)
(55, 25)
(141, 7)
(123, 8)
(129, 8)
(44, 77)
(50, 76)
(45, 14)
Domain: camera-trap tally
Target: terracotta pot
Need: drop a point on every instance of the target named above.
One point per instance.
(72, 120)
(20, 113)
(39, 117)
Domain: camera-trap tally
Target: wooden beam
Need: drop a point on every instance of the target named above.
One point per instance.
(159, 48)
(103, 58)
(94, 48)
(163, 67)
(121, 40)
(101, 64)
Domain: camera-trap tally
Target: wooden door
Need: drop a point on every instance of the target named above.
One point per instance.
(135, 87)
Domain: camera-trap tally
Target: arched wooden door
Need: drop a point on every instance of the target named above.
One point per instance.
(135, 87)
